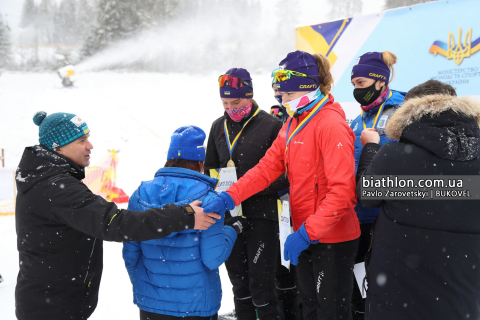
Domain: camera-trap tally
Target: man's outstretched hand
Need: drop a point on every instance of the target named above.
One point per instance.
(202, 220)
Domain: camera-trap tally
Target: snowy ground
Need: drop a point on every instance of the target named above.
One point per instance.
(135, 113)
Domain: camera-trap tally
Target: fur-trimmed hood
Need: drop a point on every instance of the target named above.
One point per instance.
(432, 105)
(445, 125)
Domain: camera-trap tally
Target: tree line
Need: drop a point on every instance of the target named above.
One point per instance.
(96, 24)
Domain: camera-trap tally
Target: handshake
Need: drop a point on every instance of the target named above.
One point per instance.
(205, 217)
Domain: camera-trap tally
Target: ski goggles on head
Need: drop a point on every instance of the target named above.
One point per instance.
(284, 75)
(273, 75)
(232, 82)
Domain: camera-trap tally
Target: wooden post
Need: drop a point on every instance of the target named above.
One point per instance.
(3, 159)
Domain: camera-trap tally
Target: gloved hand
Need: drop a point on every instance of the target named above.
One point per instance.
(221, 203)
(295, 244)
(237, 223)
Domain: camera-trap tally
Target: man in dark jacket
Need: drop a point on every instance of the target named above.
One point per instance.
(425, 254)
(61, 224)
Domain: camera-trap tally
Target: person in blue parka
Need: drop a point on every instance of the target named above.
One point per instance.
(371, 76)
(177, 276)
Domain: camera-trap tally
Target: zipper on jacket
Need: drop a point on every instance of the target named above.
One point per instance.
(88, 284)
(88, 289)
(368, 255)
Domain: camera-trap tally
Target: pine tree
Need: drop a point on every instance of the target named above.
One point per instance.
(86, 17)
(342, 9)
(153, 13)
(28, 13)
(65, 23)
(45, 21)
(391, 4)
(5, 46)
(117, 20)
(121, 19)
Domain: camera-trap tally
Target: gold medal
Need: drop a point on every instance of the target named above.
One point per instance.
(230, 163)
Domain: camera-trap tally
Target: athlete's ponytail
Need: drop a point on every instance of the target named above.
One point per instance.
(326, 78)
(390, 59)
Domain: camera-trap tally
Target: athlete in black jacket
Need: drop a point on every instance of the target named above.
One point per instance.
(60, 227)
(251, 265)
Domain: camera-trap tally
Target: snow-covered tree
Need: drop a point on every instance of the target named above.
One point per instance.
(66, 31)
(391, 4)
(5, 46)
(117, 20)
(152, 13)
(121, 19)
(28, 13)
(86, 17)
(45, 21)
(344, 9)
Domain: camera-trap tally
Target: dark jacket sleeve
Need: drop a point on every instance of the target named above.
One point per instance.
(76, 206)
(369, 164)
(212, 160)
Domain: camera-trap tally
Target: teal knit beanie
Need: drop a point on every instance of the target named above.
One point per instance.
(59, 129)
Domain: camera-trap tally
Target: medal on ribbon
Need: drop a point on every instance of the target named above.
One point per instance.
(380, 110)
(322, 100)
(231, 146)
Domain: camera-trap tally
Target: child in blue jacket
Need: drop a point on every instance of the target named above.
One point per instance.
(177, 276)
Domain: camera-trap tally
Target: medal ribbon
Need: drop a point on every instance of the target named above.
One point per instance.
(380, 110)
(323, 100)
(232, 145)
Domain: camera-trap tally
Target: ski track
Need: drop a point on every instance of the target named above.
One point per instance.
(135, 113)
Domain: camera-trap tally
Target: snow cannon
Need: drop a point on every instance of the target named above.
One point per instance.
(66, 74)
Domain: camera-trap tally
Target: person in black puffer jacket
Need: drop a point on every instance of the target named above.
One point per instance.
(60, 224)
(251, 265)
(424, 258)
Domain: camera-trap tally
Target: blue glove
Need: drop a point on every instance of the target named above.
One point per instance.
(221, 203)
(295, 244)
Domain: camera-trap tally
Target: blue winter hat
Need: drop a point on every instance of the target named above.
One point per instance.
(243, 91)
(302, 62)
(371, 65)
(59, 129)
(187, 143)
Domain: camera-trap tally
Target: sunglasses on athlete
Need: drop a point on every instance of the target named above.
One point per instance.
(232, 82)
(283, 75)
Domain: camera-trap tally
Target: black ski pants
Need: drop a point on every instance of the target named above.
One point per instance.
(325, 280)
(251, 266)
(358, 303)
(287, 291)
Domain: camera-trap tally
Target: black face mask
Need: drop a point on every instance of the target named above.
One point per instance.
(366, 96)
(279, 99)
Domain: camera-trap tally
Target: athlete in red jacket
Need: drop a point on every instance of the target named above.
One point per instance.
(318, 157)
(321, 171)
